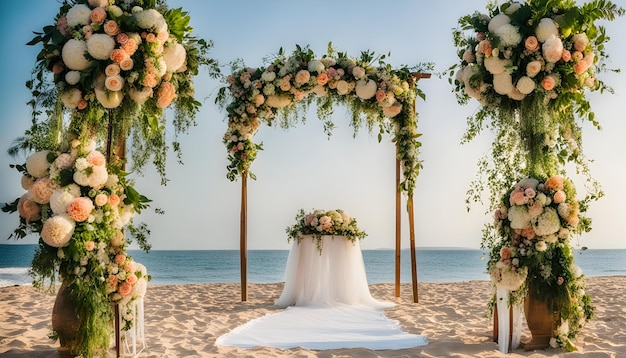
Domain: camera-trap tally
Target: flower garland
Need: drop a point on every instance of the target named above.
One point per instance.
(119, 63)
(371, 94)
(532, 231)
(80, 207)
(320, 223)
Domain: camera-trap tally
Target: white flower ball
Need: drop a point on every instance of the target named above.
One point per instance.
(27, 182)
(277, 101)
(513, 7)
(497, 21)
(72, 77)
(59, 201)
(366, 89)
(526, 85)
(328, 61)
(503, 83)
(315, 66)
(496, 66)
(73, 55)
(175, 56)
(516, 95)
(509, 35)
(547, 223)
(148, 19)
(37, 164)
(100, 46)
(519, 217)
(58, 230)
(109, 99)
(545, 29)
(71, 98)
(115, 10)
(78, 15)
(552, 49)
(140, 96)
(98, 177)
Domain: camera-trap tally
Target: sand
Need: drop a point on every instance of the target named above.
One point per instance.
(186, 320)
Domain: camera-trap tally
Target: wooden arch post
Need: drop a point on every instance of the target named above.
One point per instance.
(417, 76)
(243, 236)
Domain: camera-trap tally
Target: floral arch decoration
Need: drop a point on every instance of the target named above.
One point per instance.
(374, 94)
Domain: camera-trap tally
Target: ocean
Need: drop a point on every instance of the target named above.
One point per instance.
(268, 266)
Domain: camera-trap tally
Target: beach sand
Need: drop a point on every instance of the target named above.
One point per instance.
(186, 320)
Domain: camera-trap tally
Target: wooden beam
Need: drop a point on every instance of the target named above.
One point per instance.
(398, 223)
(412, 240)
(243, 237)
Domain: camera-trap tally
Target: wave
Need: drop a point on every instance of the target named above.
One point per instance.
(11, 276)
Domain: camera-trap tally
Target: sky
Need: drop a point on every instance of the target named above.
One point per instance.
(301, 167)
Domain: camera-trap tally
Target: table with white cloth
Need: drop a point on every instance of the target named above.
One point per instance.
(328, 274)
(328, 305)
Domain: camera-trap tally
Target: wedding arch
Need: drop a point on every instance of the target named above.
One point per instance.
(374, 93)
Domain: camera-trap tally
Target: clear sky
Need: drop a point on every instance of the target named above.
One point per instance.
(301, 167)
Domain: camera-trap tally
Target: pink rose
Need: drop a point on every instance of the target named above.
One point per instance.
(518, 198)
(111, 28)
(528, 233)
(125, 289)
(548, 83)
(80, 208)
(121, 38)
(480, 36)
(62, 26)
(151, 38)
(530, 193)
(98, 15)
(560, 280)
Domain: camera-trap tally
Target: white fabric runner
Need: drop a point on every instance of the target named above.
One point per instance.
(318, 328)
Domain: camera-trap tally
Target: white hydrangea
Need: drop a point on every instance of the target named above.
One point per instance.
(503, 83)
(526, 85)
(315, 66)
(495, 65)
(545, 29)
(73, 55)
(268, 76)
(547, 223)
(519, 217)
(552, 49)
(513, 7)
(115, 11)
(100, 46)
(328, 61)
(72, 77)
(59, 201)
(150, 19)
(509, 35)
(71, 98)
(37, 164)
(497, 21)
(78, 15)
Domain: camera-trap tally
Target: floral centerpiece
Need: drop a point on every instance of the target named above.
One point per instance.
(534, 225)
(80, 206)
(529, 65)
(320, 223)
(370, 88)
(116, 65)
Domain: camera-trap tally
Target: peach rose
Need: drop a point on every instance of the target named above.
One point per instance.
(518, 198)
(112, 70)
(90, 245)
(302, 77)
(506, 253)
(151, 38)
(58, 68)
(577, 56)
(98, 15)
(531, 43)
(101, 199)
(485, 47)
(80, 208)
(28, 209)
(130, 47)
(533, 68)
(114, 83)
(380, 95)
(125, 289)
(580, 67)
(114, 199)
(298, 95)
(82, 104)
(96, 158)
(131, 279)
(127, 64)
(259, 100)
(322, 78)
(548, 83)
(42, 190)
(566, 56)
(528, 233)
(162, 36)
(120, 259)
(165, 94)
(559, 197)
(111, 28)
(118, 55)
(285, 84)
(555, 182)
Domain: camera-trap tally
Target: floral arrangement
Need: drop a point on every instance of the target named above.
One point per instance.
(80, 207)
(531, 250)
(372, 93)
(123, 62)
(529, 65)
(320, 223)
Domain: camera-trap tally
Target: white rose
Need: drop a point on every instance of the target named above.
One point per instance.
(71, 98)
(497, 21)
(503, 83)
(268, 76)
(366, 89)
(343, 87)
(533, 68)
(526, 85)
(73, 54)
(114, 10)
(174, 57)
(545, 29)
(496, 66)
(78, 15)
(100, 46)
(315, 66)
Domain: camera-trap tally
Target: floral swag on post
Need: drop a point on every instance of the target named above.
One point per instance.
(293, 82)
(321, 223)
(112, 67)
(529, 65)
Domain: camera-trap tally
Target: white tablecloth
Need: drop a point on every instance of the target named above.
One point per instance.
(336, 275)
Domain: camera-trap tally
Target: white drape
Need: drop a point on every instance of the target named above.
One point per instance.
(508, 339)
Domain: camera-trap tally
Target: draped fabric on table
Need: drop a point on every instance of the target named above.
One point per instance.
(329, 305)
